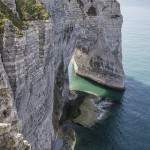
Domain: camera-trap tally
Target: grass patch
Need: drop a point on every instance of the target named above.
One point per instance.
(31, 10)
(28, 10)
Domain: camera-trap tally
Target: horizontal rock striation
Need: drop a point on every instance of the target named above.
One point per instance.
(27, 67)
(10, 139)
(27, 62)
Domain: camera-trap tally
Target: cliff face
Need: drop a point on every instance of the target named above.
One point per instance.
(28, 63)
(27, 58)
(98, 53)
(10, 138)
(35, 52)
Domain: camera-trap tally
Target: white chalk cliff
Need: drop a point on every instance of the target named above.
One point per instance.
(35, 50)
(98, 53)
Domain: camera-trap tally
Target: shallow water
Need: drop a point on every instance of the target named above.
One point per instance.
(82, 84)
(128, 127)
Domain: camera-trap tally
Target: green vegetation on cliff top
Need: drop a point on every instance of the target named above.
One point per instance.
(28, 10)
(31, 10)
(7, 14)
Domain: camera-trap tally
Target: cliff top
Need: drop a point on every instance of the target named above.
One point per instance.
(28, 10)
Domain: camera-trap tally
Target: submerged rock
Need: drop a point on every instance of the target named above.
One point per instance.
(92, 110)
(69, 139)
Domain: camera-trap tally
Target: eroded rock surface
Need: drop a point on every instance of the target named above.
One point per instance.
(35, 53)
(10, 138)
(98, 53)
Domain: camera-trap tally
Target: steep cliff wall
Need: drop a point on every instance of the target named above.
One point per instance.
(35, 52)
(27, 59)
(98, 53)
(10, 138)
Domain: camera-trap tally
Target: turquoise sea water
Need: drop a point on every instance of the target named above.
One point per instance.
(78, 83)
(128, 127)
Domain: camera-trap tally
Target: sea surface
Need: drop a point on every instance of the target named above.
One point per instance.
(128, 127)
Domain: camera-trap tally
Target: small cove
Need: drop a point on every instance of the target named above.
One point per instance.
(128, 126)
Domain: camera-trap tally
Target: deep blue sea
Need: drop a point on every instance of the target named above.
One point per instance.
(128, 127)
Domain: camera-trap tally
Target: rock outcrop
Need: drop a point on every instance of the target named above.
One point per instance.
(92, 110)
(98, 54)
(35, 50)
